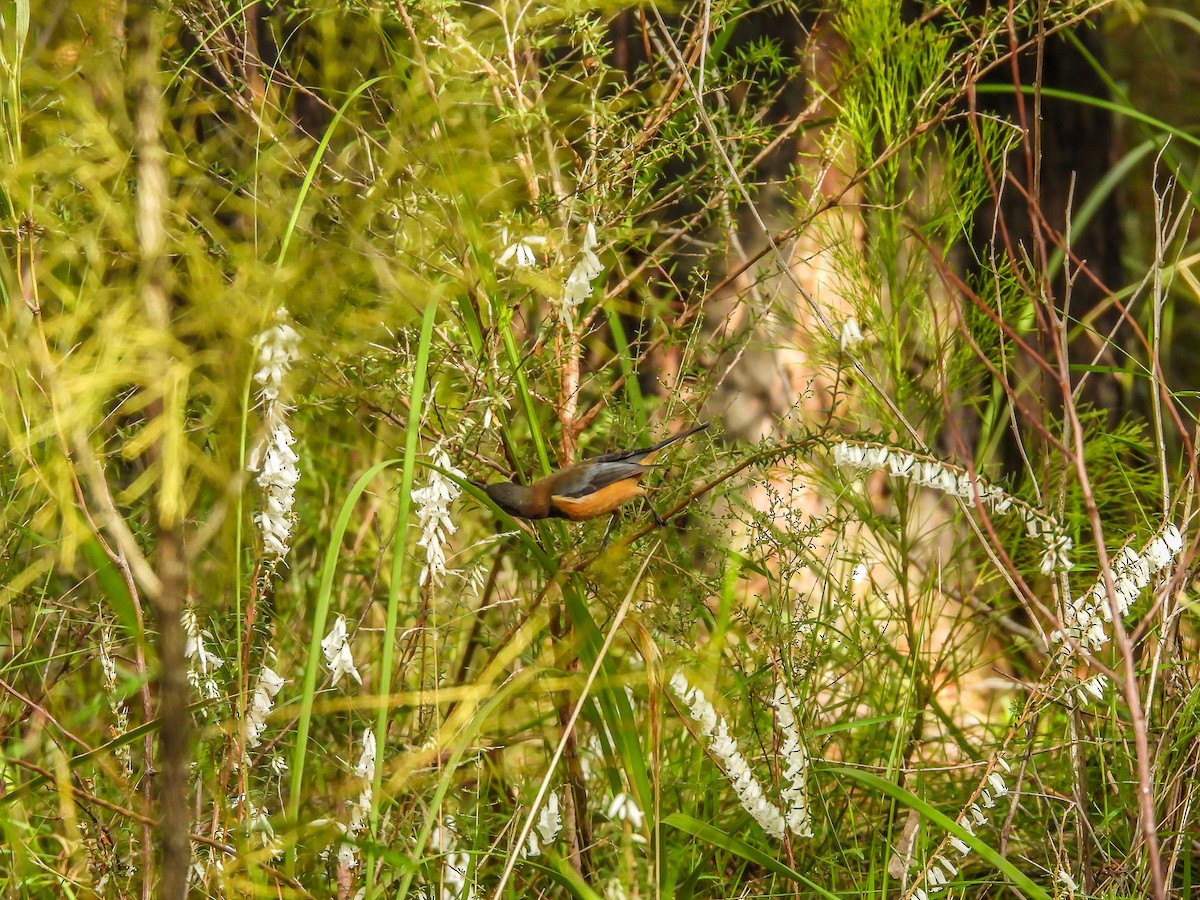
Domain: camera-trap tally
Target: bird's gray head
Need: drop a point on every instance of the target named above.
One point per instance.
(508, 496)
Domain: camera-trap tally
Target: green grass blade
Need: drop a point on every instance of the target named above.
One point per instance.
(397, 586)
(738, 847)
(1018, 878)
(314, 164)
(320, 617)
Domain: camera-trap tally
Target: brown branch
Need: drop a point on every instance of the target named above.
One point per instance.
(175, 849)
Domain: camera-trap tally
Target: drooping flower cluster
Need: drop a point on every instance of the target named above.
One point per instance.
(1086, 616)
(273, 457)
(433, 512)
(851, 333)
(795, 757)
(520, 253)
(623, 808)
(360, 807)
(943, 867)
(455, 885)
(549, 824)
(587, 268)
(1084, 620)
(203, 662)
(940, 476)
(261, 704)
(336, 648)
(725, 749)
(1091, 689)
(258, 825)
(119, 710)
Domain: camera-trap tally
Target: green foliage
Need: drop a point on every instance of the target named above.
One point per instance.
(509, 237)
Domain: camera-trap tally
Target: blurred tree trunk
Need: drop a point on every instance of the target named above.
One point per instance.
(1071, 147)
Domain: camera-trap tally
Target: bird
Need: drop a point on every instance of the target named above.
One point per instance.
(588, 489)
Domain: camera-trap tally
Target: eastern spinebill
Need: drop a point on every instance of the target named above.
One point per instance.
(590, 488)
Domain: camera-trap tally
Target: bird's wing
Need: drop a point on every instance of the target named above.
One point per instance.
(616, 456)
(588, 477)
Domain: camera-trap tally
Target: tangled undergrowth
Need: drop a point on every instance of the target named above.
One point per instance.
(284, 284)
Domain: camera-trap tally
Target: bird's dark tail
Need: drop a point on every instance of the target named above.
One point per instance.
(647, 452)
